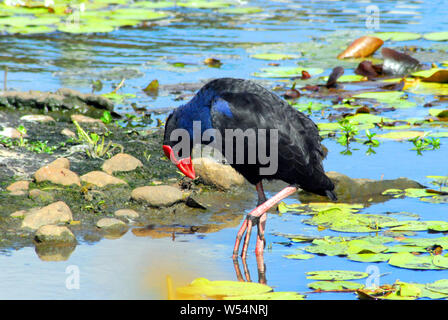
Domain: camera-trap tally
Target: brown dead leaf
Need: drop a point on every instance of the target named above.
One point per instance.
(361, 47)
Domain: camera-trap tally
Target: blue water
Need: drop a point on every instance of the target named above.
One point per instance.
(132, 267)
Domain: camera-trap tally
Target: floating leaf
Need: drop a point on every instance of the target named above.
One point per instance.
(439, 286)
(273, 56)
(362, 47)
(79, 28)
(241, 10)
(202, 286)
(202, 4)
(401, 135)
(286, 72)
(436, 36)
(369, 257)
(336, 275)
(397, 36)
(138, 14)
(404, 248)
(433, 75)
(288, 295)
(299, 256)
(409, 261)
(335, 285)
(153, 5)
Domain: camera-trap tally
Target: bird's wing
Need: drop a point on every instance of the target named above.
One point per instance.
(299, 141)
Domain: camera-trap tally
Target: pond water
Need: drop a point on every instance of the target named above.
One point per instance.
(137, 267)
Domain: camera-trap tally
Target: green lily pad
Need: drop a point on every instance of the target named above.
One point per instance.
(409, 261)
(433, 75)
(18, 21)
(393, 98)
(427, 242)
(404, 248)
(286, 72)
(401, 135)
(441, 113)
(31, 30)
(361, 246)
(241, 10)
(427, 293)
(299, 256)
(335, 285)
(80, 28)
(202, 4)
(328, 247)
(397, 36)
(287, 295)
(439, 286)
(153, 5)
(336, 275)
(273, 56)
(436, 36)
(139, 14)
(369, 257)
(202, 286)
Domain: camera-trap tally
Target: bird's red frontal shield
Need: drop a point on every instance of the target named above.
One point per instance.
(184, 165)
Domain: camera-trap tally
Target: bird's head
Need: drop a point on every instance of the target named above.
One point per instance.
(183, 163)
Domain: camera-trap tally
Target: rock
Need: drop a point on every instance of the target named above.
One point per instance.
(112, 225)
(51, 234)
(12, 133)
(55, 252)
(84, 119)
(121, 162)
(39, 195)
(60, 163)
(57, 176)
(126, 213)
(18, 187)
(62, 99)
(68, 133)
(37, 118)
(19, 214)
(101, 179)
(54, 213)
(157, 196)
(363, 190)
(217, 174)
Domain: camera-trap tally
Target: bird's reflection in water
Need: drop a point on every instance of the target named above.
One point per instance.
(261, 268)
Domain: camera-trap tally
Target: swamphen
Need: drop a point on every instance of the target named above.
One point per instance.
(267, 126)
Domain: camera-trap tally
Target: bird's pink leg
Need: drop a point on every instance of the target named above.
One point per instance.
(258, 212)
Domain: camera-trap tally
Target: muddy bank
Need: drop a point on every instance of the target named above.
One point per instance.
(34, 181)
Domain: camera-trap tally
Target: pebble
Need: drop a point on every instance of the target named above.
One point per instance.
(57, 175)
(18, 188)
(12, 133)
(217, 174)
(112, 225)
(126, 213)
(57, 212)
(48, 234)
(101, 179)
(37, 118)
(157, 196)
(121, 162)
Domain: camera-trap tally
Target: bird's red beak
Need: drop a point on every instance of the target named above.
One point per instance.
(185, 165)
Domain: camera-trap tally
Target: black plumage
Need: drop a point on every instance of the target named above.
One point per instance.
(229, 103)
